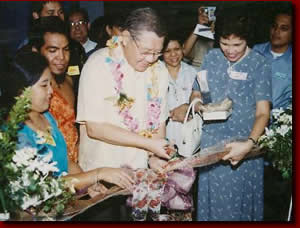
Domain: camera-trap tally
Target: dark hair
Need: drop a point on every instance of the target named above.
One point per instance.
(285, 9)
(24, 71)
(80, 11)
(37, 6)
(41, 26)
(172, 36)
(98, 31)
(145, 19)
(237, 25)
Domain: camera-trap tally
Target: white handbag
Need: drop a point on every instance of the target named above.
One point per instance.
(191, 131)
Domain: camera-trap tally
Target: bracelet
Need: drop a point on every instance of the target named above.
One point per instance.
(254, 141)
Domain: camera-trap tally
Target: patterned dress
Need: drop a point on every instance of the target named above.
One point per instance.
(227, 193)
(65, 117)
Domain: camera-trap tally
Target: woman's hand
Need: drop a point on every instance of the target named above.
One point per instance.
(178, 113)
(118, 176)
(157, 164)
(238, 151)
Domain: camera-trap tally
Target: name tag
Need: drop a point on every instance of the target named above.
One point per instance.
(238, 75)
(73, 70)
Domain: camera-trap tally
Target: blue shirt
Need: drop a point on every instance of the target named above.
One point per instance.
(281, 74)
(28, 137)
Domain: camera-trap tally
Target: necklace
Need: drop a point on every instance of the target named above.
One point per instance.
(230, 67)
(43, 136)
(125, 103)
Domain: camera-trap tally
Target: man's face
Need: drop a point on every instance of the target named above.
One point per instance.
(53, 9)
(78, 28)
(281, 31)
(56, 50)
(143, 50)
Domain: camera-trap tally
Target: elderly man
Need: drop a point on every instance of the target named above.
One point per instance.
(79, 27)
(122, 106)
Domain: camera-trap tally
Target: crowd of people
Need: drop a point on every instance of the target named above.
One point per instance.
(116, 104)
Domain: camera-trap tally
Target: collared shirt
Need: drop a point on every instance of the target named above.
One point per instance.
(281, 74)
(89, 45)
(96, 104)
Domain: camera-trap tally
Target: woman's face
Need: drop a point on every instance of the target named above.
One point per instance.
(41, 92)
(173, 54)
(233, 47)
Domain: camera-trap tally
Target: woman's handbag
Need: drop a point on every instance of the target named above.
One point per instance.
(191, 131)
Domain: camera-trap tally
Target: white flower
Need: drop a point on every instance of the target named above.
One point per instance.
(24, 155)
(15, 186)
(282, 130)
(29, 201)
(269, 132)
(25, 179)
(285, 119)
(1, 135)
(277, 112)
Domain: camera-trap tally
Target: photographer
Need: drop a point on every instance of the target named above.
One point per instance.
(195, 47)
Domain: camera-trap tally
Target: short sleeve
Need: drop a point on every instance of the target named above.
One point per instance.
(93, 88)
(263, 82)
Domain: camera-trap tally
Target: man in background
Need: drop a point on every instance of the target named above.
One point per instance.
(279, 51)
(79, 28)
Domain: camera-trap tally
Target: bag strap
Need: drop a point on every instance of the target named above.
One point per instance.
(192, 106)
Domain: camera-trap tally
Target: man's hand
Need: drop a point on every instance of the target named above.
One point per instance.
(157, 164)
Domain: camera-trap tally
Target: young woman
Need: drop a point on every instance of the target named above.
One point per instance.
(181, 78)
(40, 129)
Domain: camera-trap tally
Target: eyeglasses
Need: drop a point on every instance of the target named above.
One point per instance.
(145, 54)
(73, 24)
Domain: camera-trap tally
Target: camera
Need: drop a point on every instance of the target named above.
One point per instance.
(210, 11)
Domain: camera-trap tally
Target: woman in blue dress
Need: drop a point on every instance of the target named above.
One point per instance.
(30, 70)
(233, 191)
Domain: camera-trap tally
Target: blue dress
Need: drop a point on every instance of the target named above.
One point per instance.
(227, 193)
(28, 137)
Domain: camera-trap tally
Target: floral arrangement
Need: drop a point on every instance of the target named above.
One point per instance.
(27, 181)
(125, 103)
(278, 141)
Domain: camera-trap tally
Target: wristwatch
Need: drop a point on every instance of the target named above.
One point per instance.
(254, 141)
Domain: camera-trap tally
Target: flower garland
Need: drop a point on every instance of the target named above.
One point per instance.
(125, 103)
